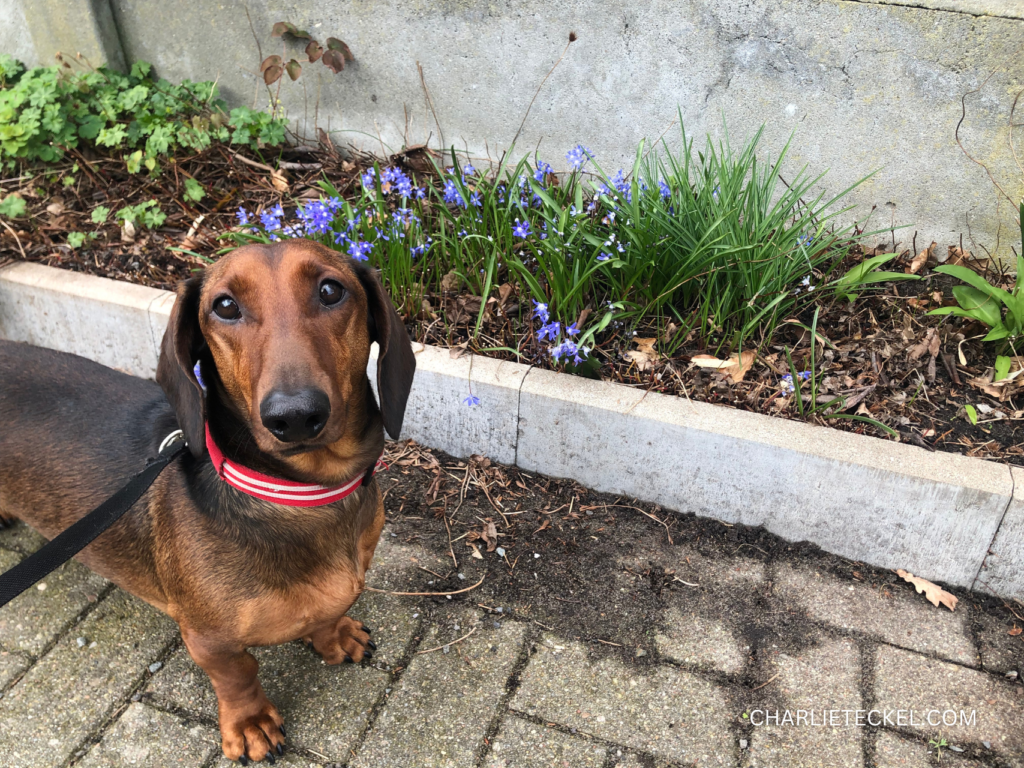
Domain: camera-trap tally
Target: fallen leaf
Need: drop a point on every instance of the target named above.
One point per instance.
(458, 350)
(740, 364)
(929, 344)
(279, 180)
(488, 535)
(708, 361)
(921, 259)
(451, 283)
(646, 356)
(1015, 631)
(998, 390)
(476, 550)
(128, 232)
(936, 595)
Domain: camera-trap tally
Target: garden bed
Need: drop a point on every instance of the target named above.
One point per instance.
(656, 278)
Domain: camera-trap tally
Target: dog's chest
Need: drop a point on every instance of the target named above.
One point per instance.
(282, 616)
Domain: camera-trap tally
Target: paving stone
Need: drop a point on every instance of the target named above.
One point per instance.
(71, 690)
(11, 665)
(149, 737)
(825, 677)
(325, 708)
(662, 710)
(522, 744)
(34, 618)
(290, 760)
(891, 751)
(1000, 651)
(692, 639)
(21, 538)
(444, 702)
(890, 612)
(910, 682)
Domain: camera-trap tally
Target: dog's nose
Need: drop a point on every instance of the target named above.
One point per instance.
(292, 417)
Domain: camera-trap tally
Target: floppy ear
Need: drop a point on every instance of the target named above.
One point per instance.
(396, 362)
(178, 355)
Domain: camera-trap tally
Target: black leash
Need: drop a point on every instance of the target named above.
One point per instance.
(72, 541)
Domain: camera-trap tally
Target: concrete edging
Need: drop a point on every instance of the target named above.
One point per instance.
(942, 516)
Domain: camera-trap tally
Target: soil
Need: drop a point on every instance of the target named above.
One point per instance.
(581, 563)
(878, 354)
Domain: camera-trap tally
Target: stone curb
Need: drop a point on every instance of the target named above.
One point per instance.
(887, 504)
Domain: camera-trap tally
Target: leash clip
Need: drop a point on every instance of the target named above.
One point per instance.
(174, 437)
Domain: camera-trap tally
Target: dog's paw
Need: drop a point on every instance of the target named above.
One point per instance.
(6, 521)
(252, 734)
(347, 641)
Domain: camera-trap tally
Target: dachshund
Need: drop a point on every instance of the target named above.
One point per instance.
(262, 531)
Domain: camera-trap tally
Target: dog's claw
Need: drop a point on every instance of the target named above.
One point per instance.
(371, 645)
(280, 749)
(348, 659)
(367, 630)
(243, 760)
(270, 758)
(367, 656)
(281, 728)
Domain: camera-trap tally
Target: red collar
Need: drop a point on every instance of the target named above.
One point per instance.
(284, 492)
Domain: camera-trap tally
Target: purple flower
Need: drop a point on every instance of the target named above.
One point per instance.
(543, 169)
(471, 401)
(604, 256)
(549, 331)
(474, 199)
(270, 222)
(369, 178)
(577, 156)
(316, 218)
(468, 170)
(243, 216)
(521, 230)
(666, 192)
(540, 311)
(452, 194)
(571, 330)
(360, 251)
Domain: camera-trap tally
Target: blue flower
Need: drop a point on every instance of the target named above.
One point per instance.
(270, 222)
(419, 193)
(786, 385)
(468, 170)
(571, 330)
(474, 199)
(369, 178)
(452, 194)
(805, 240)
(578, 156)
(316, 218)
(277, 211)
(604, 256)
(549, 331)
(360, 251)
(540, 311)
(471, 401)
(666, 191)
(521, 230)
(543, 169)
(243, 216)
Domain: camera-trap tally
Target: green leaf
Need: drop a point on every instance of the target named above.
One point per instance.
(194, 190)
(134, 161)
(76, 239)
(1002, 367)
(99, 214)
(972, 414)
(978, 304)
(90, 126)
(12, 206)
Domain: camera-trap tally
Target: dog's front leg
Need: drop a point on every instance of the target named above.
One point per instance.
(250, 726)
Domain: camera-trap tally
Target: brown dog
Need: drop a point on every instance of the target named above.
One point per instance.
(281, 335)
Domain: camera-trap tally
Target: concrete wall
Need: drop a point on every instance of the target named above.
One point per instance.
(864, 85)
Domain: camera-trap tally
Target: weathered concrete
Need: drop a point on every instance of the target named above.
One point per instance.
(888, 72)
(105, 320)
(863, 498)
(145, 736)
(895, 616)
(1004, 565)
(522, 744)
(867, 499)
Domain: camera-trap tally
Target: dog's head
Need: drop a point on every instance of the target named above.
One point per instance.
(286, 329)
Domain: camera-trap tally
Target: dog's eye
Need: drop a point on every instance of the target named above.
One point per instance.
(226, 308)
(331, 292)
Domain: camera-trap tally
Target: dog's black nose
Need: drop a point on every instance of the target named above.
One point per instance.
(292, 417)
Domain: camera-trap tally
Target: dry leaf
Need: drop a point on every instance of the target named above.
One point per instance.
(279, 180)
(451, 283)
(998, 390)
(929, 344)
(1015, 631)
(709, 361)
(128, 232)
(476, 550)
(928, 254)
(646, 356)
(740, 364)
(458, 350)
(936, 595)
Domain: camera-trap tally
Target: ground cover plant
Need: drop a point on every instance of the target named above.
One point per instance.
(709, 293)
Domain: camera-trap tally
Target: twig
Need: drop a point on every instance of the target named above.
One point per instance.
(427, 594)
(676, 578)
(453, 642)
(285, 166)
(451, 549)
(770, 680)
(16, 238)
(430, 103)
(572, 39)
(608, 642)
(252, 163)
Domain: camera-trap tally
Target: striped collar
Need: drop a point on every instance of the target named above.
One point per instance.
(278, 491)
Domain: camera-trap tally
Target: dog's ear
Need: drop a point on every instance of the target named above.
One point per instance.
(396, 362)
(178, 355)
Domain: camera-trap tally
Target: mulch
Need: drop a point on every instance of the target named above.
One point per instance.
(891, 361)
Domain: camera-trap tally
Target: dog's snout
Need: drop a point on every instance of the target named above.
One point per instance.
(292, 417)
